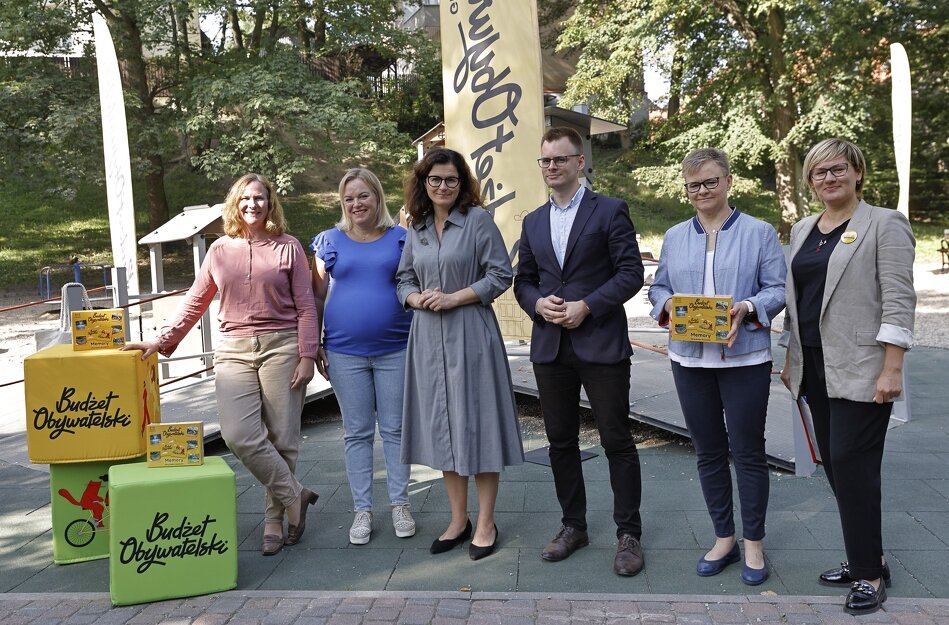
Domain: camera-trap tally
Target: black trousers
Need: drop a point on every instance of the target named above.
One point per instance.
(725, 409)
(850, 437)
(607, 388)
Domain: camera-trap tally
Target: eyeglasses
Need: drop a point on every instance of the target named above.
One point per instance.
(436, 181)
(708, 183)
(559, 161)
(837, 170)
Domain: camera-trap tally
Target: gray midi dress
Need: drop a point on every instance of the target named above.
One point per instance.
(458, 413)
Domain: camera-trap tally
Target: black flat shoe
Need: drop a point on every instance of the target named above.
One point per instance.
(441, 546)
(864, 598)
(476, 553)
(708, 568)
(841, 576)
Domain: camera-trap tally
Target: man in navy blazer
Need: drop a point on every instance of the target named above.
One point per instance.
(578, 264)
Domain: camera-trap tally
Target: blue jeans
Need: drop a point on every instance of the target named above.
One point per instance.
(368, 388)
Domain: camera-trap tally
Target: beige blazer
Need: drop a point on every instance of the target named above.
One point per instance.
(869, 300)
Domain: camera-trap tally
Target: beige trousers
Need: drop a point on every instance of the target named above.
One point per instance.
(260, 413)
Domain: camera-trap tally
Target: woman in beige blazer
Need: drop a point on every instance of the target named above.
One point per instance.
(850, 309)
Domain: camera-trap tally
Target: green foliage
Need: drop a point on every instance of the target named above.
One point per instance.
(270, 116)
(766, 80)
(49, 127)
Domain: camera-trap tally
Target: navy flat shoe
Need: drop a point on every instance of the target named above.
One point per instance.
(754, 577)
(708, 568)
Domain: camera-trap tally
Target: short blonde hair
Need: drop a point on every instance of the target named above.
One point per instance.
(382, 217)
(234, 226)
(696, 158)
(830, 149)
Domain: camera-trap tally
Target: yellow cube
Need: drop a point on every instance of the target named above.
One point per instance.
(88, 405)
(98, 329)
(702, 318)
(175, 444)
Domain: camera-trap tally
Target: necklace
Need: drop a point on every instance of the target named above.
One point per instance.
(364, 236)
(821, 243)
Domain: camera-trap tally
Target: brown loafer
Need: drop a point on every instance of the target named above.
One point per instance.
(567, 540)
(629, 556)
(295, 532)
(272, 544)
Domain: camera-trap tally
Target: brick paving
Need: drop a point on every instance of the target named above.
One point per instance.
(425, 608)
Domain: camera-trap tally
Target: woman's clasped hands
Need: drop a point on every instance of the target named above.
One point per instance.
(433, 299)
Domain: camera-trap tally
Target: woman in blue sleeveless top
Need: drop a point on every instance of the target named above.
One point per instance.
(365, 330)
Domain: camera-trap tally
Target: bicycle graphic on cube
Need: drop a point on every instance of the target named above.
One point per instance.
(80, 532)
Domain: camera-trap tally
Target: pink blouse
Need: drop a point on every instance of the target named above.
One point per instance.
(264, 285)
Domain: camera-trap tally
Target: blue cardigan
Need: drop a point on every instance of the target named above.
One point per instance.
(749, 265)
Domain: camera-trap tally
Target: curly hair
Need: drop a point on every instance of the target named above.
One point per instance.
(234, 225)
(417, 203)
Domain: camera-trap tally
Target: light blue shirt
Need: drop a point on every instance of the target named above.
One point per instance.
(561, 222)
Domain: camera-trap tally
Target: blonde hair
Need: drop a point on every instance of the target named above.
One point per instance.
(830, 149)
(234, 226)
(382, 217)
(696, 158)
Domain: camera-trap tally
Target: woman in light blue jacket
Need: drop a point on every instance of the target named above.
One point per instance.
(723, 388)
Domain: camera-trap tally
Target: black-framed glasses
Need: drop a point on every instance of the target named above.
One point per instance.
(436, 181)
(559, 161)
(708, 183)
(837, 170)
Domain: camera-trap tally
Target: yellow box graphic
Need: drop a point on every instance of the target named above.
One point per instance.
(175, 444)
(88, 405)
(702, 318)
(98, 329)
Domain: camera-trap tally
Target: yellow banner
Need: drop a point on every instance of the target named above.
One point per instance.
(494, 114)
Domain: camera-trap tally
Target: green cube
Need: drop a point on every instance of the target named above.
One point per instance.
(174, 531)
(79, 496)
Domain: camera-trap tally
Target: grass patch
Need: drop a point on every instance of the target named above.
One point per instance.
(41, 229)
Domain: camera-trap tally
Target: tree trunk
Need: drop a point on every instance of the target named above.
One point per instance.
(124, 27)
(782, 116)
(236, 27)
(257, 34)
(675, 76)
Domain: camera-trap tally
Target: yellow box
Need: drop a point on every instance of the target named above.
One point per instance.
(98, 329)
(88, 405)
(175, 444)
(702, 318)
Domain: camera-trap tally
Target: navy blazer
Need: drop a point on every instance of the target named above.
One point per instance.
(602, 267)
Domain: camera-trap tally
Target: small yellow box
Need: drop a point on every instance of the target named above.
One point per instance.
(702, 318)
(98, 329)
(175, 444)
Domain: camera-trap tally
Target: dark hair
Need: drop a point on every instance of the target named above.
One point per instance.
(417, 203)
(555, 133)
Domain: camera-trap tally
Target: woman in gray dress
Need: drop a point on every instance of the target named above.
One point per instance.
(459, 415)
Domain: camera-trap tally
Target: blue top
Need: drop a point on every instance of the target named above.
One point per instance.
(362, 315)
(749, 265)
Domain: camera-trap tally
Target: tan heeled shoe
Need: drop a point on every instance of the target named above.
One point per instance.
(295, 532)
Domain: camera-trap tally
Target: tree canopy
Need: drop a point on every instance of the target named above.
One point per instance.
(224, 87)
(763, 79)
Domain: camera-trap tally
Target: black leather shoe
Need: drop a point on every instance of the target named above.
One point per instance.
(864, 598)
(708, 568)
(629, 556)
(841, 576)
(567, 540)
(441, 546)
(476, 552)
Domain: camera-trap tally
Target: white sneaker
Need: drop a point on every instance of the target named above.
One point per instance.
(402, 521)
(361, 528)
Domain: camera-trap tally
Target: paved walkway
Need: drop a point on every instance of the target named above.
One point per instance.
(390, 580)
